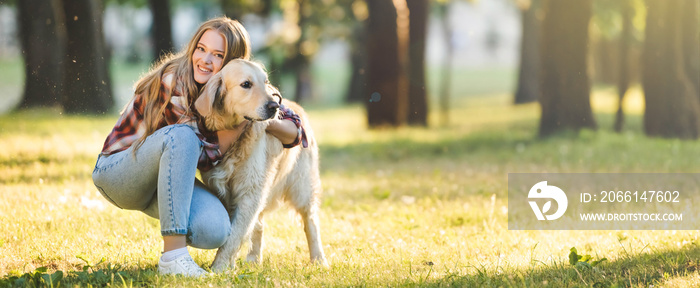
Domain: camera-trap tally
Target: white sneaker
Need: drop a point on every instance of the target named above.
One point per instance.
(183, 265)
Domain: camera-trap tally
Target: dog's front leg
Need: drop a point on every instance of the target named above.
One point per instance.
(313, 237)
(256, 242)
(243, 217)
(225, 254)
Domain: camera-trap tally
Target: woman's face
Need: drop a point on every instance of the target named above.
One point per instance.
(208, 57)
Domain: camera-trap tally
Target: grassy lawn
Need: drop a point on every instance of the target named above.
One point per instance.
(406, 207)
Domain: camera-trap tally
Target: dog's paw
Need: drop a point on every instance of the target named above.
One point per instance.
(321, 262)
(253, 259)
(221, 266)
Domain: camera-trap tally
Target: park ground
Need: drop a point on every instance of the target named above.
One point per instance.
(404, 207)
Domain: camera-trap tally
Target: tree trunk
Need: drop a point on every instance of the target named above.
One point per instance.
(529, 77)
(417, 97)
(672, 106)
(87, 87)
(301, 63)
(691, 42)
(605, 57)
(565, 86)
(387, 101)
(623, 78)
(357, 87)
(161, 31)
(42, 39)
(303, 91)
(446, 73)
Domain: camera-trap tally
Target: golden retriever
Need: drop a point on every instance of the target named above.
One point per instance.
(256, 173)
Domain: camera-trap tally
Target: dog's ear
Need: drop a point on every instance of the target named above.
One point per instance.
(219, 95)
(211, 97)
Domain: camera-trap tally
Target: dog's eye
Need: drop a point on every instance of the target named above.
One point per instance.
(246, 84)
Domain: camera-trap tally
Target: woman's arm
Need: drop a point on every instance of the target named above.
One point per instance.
(285, 130)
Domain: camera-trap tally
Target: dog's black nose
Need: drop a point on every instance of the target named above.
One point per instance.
(272, 106)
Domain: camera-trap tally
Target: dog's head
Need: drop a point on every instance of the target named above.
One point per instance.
(239, 91)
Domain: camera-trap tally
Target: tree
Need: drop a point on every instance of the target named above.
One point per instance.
(357, 37)
(417, 97)
(565, 83)
(42, 39)
(161, 32)
(87, 86)
(235, 9)
(528, 89)
(357, 86)
(291, 50)
(386, 82)
(305, 47)
(623, 79)
(316, 20)
(691, 42)
(605, 41)
(446, 73)
(672, 107)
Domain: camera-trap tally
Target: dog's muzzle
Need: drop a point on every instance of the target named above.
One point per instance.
(269, 111)
(272, 108)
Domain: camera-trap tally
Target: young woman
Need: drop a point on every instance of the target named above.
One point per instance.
(149, 160)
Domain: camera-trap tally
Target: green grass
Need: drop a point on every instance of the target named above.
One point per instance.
(405, 207)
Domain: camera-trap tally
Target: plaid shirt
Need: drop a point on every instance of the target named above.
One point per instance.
(130, 127)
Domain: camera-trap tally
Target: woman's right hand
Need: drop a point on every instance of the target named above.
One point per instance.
(228, 137)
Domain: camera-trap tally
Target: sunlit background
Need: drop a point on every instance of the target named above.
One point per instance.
(485, 36)
(414, 161)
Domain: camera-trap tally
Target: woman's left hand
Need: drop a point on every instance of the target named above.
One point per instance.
(283, 129)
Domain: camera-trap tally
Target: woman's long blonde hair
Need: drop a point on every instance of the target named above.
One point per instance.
(180, 66)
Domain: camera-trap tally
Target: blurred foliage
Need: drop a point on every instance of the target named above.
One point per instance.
(320, 20)
(237, 8)
(135, 3)
(304, 25)
(445, 2)
(607, 19)
(144, 3)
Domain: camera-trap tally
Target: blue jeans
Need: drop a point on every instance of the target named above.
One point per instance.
(159, 180)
